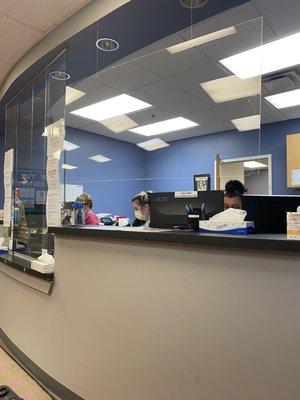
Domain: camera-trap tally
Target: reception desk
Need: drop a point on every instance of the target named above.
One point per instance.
(143, 315)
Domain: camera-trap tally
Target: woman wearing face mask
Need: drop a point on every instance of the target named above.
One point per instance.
(140, 204)
(90, 217)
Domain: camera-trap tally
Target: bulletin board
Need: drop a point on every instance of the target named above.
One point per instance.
(293, 160)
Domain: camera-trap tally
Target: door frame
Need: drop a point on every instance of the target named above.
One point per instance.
(230, 160)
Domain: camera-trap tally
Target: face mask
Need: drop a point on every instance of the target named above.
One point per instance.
(138, 214)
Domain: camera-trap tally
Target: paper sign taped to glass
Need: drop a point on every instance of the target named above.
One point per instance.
(55, 138)
(53, 212)
(8, 161)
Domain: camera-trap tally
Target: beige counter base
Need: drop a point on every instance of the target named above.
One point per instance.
(139, 321)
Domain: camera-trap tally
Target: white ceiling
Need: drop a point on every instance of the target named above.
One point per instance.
(171, 82)
(25, 22)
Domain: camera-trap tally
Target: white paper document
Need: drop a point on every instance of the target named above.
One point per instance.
(7, 212)
(53, 173)
(8, 161)
(295, 177)
(53, 211)
(55, 138)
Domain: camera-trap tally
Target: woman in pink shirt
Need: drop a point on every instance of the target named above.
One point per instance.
(90, 217)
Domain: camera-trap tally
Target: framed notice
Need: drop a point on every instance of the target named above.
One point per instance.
(202, 182)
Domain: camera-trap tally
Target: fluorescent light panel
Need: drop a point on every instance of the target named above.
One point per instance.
(270, 57)
(254, 164)
(68, 146)
(169, 125)
(119, 105)
(153, 144)
(231, 88)
(72, 95)
(177, 48)
(68, 166)
(247, 123)
(99, 158)
(285, 99)
(119, 124)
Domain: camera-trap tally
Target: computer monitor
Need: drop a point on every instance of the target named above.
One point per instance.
(168, 209)
(269, 212)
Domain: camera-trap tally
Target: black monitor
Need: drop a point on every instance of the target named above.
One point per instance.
(168, 209)
(269, 212)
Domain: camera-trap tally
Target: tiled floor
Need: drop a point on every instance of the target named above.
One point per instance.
(18, 380)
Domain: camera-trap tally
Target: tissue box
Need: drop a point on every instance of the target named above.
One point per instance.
(237, 228)
(42, 267)
(293, 225)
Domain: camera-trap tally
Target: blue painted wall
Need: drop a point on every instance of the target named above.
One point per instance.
(112, 184)
(176, 165)
(131, 169)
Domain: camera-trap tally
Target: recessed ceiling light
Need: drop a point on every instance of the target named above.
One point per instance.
(107, 44)
(254, 164)
(231, 88)
(192, 4)
(119, 105)
(119, 124)
(201, 40)
(285, 99)
(153, 144)
(68, 146)
(169, 125)
(247, 123)
(67, 166)
(60, 75)
(270, 57)
(99, 158)
(72, 95)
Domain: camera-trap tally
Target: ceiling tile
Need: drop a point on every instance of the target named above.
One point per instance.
(44, 14)
(189, 81)
(125, 77)
(95, 92)
(282, 16)
(6, 6)
(16, 39)
(291, 112)
(234, 16)
(164, 64)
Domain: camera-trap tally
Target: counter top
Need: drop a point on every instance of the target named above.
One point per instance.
(273, 242)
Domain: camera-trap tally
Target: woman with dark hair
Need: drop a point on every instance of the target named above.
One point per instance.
(140, 204)
(233, 194)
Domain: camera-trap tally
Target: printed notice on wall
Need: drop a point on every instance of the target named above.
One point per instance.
(295, 177)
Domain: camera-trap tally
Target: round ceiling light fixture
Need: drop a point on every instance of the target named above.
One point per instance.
(192, 4)
(60, 75)
(107, 44)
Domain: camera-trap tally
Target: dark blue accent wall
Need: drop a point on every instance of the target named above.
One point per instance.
(131, 169)
(112, 184)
